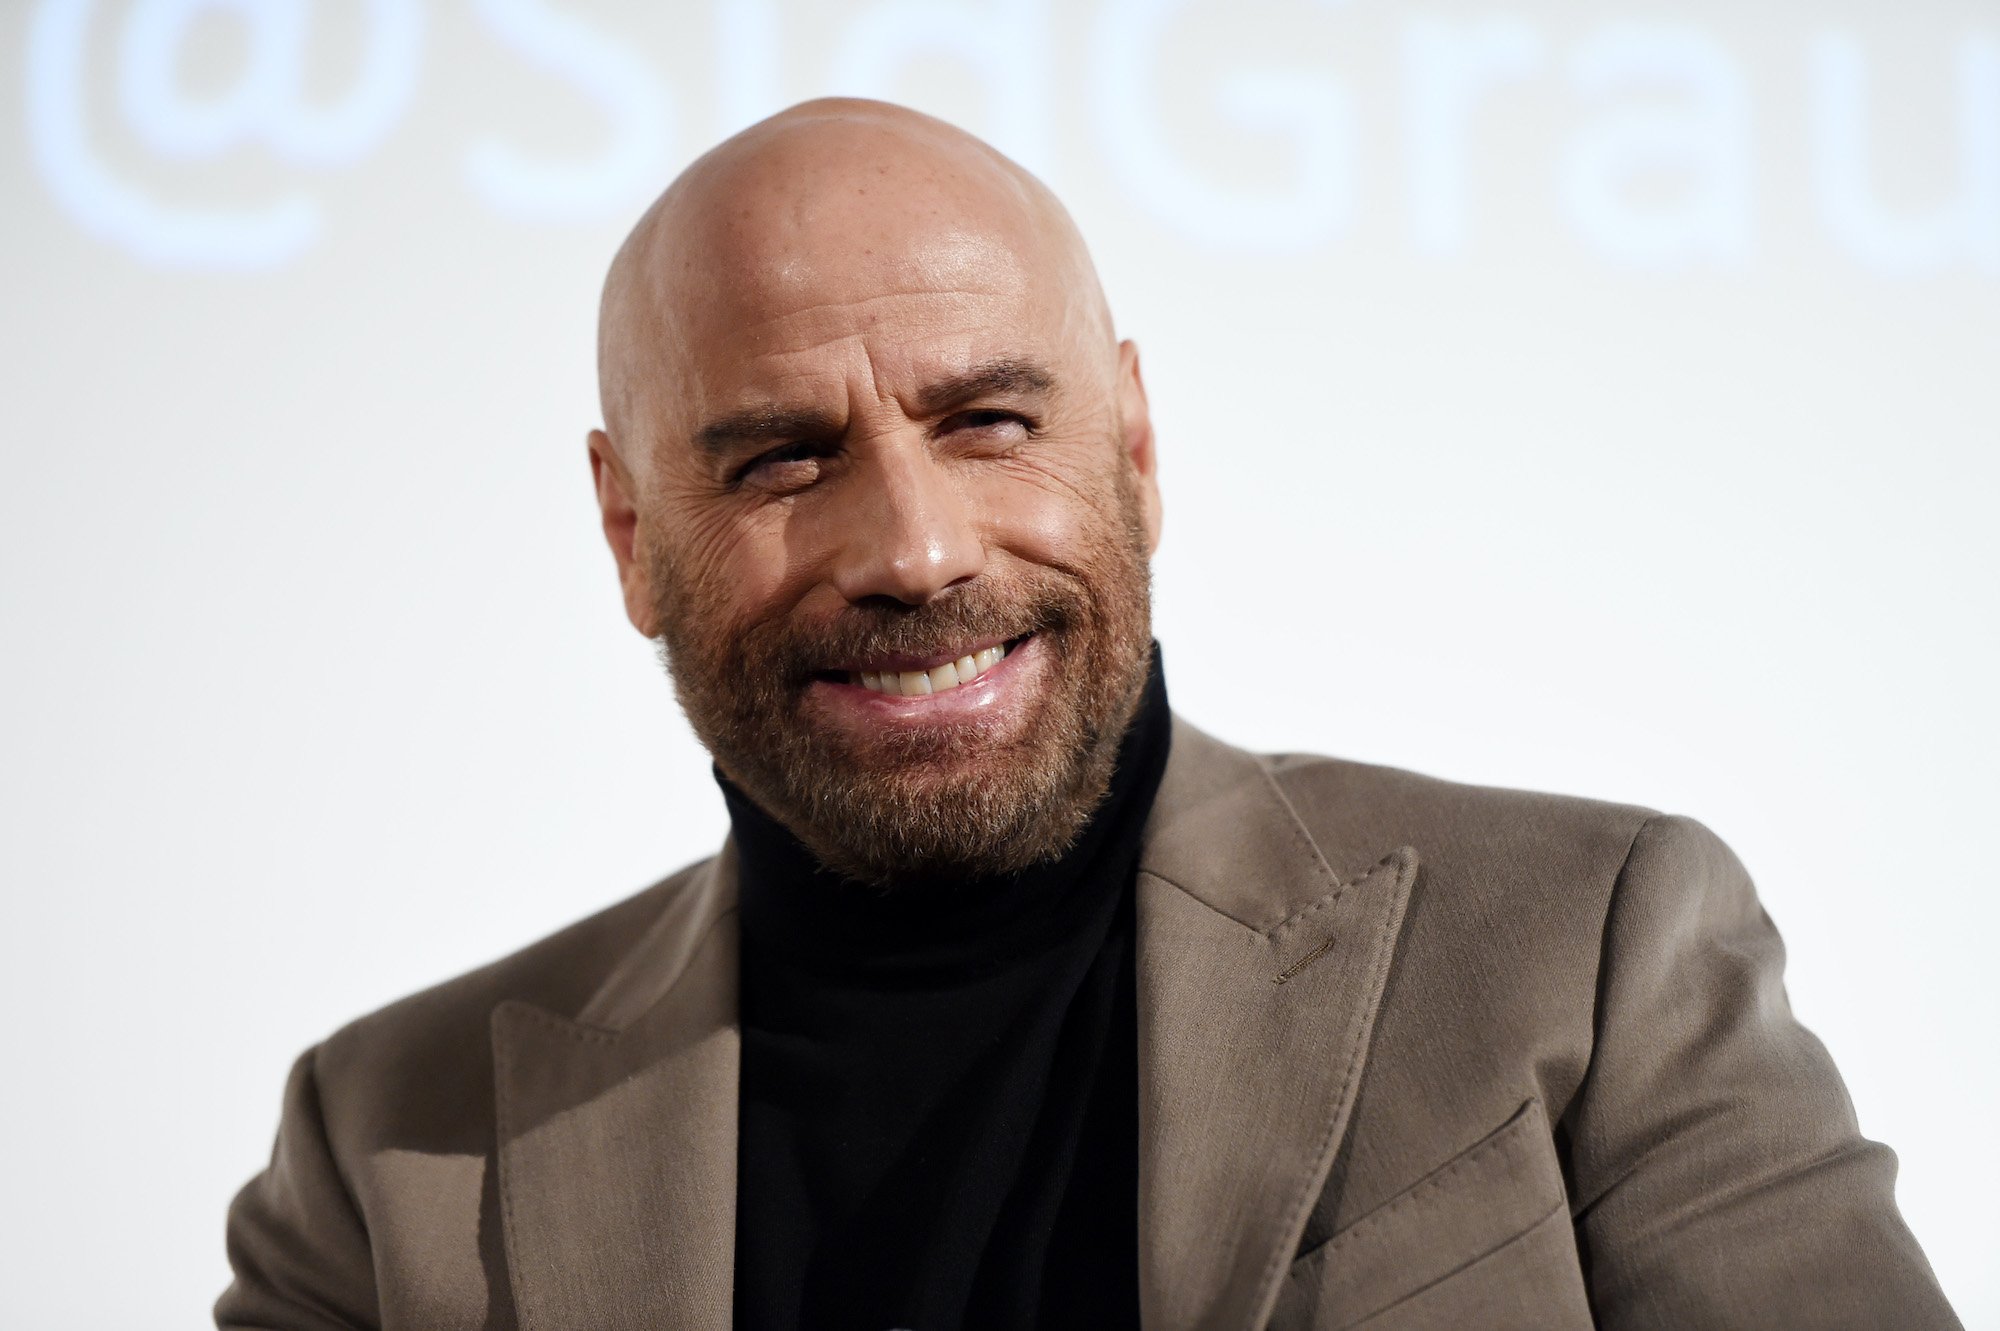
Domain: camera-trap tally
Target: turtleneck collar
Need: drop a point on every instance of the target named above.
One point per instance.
(819, 919)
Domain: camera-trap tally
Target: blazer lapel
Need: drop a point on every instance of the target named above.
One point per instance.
(1260, 970)
(618, 1131)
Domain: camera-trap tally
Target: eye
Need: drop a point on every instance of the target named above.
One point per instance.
(989, 421)
(787, 467)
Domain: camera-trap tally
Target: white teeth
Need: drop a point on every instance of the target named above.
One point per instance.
(917, 683)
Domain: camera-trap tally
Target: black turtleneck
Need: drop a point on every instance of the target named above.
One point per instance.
(940, 1086)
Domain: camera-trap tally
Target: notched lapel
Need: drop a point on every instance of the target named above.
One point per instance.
(618, 1133)
(1260, 972)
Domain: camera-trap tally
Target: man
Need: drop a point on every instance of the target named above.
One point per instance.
(1012, 1000)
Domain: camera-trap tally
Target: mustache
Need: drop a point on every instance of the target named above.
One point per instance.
(798, 652)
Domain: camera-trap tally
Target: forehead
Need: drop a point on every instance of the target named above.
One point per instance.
(899, 299)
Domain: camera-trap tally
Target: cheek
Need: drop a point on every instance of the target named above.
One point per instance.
(730, 567)
(1055, 510)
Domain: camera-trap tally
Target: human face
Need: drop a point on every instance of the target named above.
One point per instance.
(908, 483)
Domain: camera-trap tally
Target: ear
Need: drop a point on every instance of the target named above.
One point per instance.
(620, 515)
(1137, 420)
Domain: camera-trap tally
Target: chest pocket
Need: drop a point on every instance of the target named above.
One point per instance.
(1482, 1241)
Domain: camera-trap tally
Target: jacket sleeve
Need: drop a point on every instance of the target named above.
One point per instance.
(297, 1244)
(1719, 1177)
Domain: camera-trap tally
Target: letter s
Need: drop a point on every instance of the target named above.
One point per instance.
(609, 74)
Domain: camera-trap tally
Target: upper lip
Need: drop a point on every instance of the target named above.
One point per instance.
(908, 663)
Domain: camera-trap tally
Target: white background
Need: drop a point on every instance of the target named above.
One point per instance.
(1591, 398)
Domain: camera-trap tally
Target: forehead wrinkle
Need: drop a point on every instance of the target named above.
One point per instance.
(930, 294)
(914, 328)
(767, 283)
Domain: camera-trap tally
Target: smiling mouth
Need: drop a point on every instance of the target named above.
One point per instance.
(940, 678)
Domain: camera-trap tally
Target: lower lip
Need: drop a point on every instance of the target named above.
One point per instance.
(985, 696)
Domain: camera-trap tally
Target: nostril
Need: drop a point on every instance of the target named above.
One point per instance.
(885, 601)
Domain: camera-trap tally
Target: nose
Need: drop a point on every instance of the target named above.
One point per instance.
(905, 530)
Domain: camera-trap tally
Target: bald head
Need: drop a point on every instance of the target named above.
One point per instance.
(832, 203)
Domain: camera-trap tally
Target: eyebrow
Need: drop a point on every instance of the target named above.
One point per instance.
(757, 425)
(994, 378)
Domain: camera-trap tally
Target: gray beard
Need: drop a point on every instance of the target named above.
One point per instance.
(927, 804)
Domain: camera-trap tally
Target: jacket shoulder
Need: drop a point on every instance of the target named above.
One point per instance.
(1456, 825)
(433, 1046)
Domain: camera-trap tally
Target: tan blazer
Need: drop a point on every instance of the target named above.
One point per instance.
(1411, 1054)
